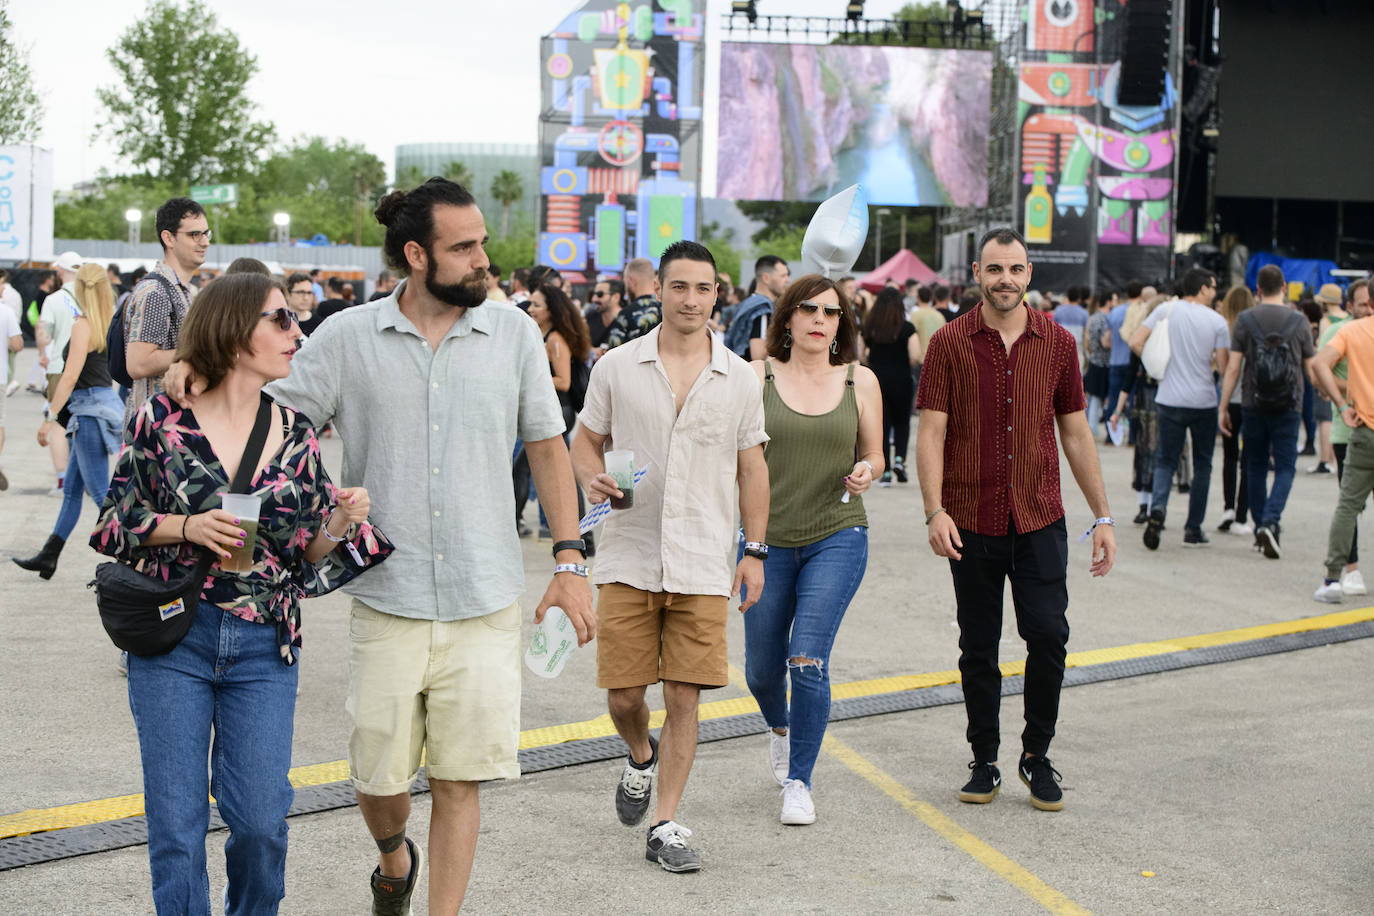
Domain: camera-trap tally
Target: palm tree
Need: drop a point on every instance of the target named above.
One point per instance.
(507, 189)
(459, 174)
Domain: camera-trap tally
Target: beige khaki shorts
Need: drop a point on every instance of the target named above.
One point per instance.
(646, 637)
(447, 690)
(53, 379)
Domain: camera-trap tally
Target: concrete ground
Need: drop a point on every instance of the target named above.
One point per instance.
(1242, 786)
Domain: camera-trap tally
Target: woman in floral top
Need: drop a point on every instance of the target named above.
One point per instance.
(235, 669)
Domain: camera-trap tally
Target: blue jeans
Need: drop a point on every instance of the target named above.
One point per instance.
(1266, 433)
(1201, 424)
(227, 673)
(806, 592)
(88, 468)
(1116, 376)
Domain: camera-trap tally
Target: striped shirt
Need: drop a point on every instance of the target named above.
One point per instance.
(1001, 455)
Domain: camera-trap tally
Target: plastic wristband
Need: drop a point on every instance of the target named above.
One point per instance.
(866, 463)
(329, 537)
(1105, 520)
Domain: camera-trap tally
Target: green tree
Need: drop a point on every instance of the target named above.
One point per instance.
(100, 215)
(459, 174)
(721, 246)
(21, 111)
(412, 176)
(181, 111)
(328, 187)
(507, 188)
(777, 217)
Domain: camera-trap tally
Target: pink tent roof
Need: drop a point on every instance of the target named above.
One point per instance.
(900, 267)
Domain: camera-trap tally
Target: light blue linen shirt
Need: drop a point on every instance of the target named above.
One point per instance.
(430, 435)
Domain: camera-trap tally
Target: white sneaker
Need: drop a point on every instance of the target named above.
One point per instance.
(797, 807)
(1352, 583)
(11, 388)
(779, 756)
(1228, 518)
(1242, 529)
(1329, 593)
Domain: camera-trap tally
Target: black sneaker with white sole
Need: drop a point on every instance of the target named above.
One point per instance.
(633, 790)
(667, 845)
(1267, 541)
(1043, 781)
(1193, 537)
(983, 785)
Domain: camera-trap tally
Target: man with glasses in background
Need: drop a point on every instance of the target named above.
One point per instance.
(607, 298)
(300, 298)
(155, 311)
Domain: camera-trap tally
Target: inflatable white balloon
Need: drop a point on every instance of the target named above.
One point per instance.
(836, 234)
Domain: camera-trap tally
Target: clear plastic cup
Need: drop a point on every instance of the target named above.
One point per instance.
(620, 466)
(245, 508)
(553, 641)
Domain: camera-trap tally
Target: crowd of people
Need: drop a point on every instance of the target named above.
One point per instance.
(760, 418)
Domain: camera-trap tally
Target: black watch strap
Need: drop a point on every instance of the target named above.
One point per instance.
(579, 545)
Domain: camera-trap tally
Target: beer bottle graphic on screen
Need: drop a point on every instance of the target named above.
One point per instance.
(1039, 210)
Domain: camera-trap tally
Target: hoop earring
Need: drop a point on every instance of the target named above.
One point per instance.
(787, 340)
(835, 346)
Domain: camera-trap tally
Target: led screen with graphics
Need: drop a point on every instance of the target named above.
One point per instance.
(802, 122)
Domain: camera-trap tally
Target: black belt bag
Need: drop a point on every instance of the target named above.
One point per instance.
(144, 615)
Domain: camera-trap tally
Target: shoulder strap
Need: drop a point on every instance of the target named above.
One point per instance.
(849, 376)
(244, 476)
(767, 369)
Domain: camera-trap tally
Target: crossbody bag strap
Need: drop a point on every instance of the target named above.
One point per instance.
(244, 476)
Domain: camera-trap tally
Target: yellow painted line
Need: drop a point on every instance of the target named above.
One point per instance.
(107, 809)
(1014, 874)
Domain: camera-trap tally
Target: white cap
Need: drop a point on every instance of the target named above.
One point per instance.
(69, 260)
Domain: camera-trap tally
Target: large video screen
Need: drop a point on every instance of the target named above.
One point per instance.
(801, 122)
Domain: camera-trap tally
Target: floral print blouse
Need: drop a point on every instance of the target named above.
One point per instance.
(169, 468)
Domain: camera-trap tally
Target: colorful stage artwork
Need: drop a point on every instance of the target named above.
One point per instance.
(621, 133)
(1096, 176)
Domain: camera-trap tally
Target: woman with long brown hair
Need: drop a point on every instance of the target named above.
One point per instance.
(86, 409)
(893, 349)
(1235, 493)
(568, 343)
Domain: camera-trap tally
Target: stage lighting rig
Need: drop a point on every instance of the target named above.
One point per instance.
(746, 7)
(854, 10)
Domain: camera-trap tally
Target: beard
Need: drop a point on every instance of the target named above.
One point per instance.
(467, 293)
(990, 293)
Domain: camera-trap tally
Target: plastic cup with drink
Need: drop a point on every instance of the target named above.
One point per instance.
(620, 467)
(245, 509)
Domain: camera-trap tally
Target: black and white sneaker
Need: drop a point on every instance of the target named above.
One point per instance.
(983, 785)
(633, 790)
(1193, 537)
(899, 469)
(1267, 541)
(1043, 781)
(668, 847)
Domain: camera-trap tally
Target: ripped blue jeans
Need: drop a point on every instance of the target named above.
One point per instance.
(806, 591)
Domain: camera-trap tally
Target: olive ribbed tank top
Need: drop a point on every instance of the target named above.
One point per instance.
(808, 457)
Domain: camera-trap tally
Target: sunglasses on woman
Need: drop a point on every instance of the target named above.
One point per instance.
(283, 316)
(807, 307)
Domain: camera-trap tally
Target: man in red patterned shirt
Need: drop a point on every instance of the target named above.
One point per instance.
(995, 383)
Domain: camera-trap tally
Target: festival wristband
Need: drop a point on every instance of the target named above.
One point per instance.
(1105, 520)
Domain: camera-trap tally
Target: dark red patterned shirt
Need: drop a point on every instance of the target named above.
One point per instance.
(1001, 455)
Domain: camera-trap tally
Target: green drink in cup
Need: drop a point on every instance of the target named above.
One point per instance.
(620, 466)
(245, 509)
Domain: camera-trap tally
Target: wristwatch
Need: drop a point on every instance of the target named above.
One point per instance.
(579, 545)
(577, 569)
(756, 549)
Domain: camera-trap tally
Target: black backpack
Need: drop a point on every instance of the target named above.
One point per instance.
(577, 385)
(1276, 369)
(115, 340)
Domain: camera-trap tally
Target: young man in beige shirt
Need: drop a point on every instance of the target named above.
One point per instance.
(692, 413)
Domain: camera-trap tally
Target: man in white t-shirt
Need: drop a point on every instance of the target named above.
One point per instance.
(9, 297)
(55, 320)
(14, 342)
(1187, 398)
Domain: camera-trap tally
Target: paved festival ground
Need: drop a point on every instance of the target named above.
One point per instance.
(1232, 786)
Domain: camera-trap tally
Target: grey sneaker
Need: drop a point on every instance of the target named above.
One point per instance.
(779, 756)
(391, 896)
(632, 792)
(668, 847)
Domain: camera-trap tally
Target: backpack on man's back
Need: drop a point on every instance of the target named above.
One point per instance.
(1277, 368)
(116, 342)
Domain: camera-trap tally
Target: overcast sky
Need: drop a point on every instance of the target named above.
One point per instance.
(379, 74)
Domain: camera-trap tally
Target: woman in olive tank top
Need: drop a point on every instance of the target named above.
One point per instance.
(823, 414)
